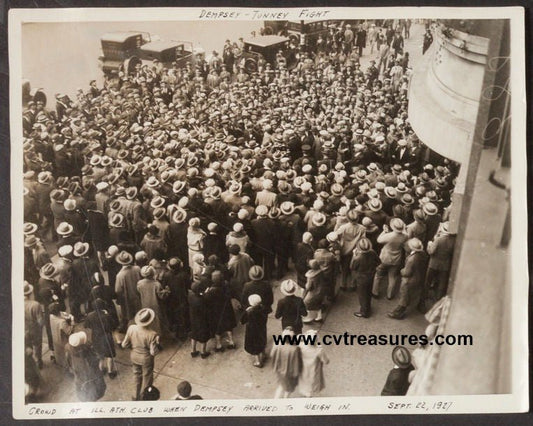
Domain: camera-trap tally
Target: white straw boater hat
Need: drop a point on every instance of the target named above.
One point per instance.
(144, 317)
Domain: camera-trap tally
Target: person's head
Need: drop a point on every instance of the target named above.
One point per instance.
(216, 277)
(151, 393)
(184, 389)
(401, 357)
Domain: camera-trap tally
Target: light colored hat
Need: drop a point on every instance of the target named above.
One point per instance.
(81, 249)
(332, 237)
(178, 186)
(65, 250)
(267, 184)
(117, 220)
(287, 207)
(77, 339)
(375, 204)
(243, 214)
(256, 273)
(307, 237)
(101, 186)
(48, 270)
(397, 224)
(390, 192)
(69, 204)
(319, 219)
(28, 288)
(261, 210)
(124, 258)
(144, 317)
(159, 213)
(254, 299)
(238, 227)
(141, 256)
(112, 250)
(194, 222)
(147, 271)
(415, 244)
(157, 201)
(29, 228)
(179, 215)
(430, 209)
(288, 287)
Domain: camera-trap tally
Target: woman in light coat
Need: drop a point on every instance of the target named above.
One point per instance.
(311, 380)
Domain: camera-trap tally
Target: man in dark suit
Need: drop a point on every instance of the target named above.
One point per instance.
(259, 286)
(413, 275)
(400, 154)
(361, 40)
(262, 240)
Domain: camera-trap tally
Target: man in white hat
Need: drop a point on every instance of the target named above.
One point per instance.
(392, 239)
(144, 344)
(413, 275)
(263, 250)
(349, 234)
(291, 308)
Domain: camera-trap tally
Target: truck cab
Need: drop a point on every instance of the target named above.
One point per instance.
(265, 48)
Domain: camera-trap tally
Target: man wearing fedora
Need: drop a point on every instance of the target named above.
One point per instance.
(258, 286)
(413, 274)
(83, 268)
(291, 308)
(391, 257)
(397, 383)
(440, 251)
(364, 263)
(144, 344)
(126, 288)
(349, 233)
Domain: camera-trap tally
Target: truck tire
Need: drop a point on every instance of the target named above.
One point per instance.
(250, 65)
(294, 38)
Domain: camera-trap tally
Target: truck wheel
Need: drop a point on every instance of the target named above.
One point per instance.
(250, 65)
(294, 39)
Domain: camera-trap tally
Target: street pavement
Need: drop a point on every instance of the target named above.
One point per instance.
(352, 371)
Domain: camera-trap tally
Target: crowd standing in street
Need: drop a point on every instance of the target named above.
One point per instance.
(163, 205)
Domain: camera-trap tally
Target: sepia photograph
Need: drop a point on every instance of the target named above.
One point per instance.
(268, 211)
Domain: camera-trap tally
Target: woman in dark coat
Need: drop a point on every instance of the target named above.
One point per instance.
(177, 280)
(255, 338)
(221, 314)
(83, 361)
(101, 323)
(199, 315)
(104, 292)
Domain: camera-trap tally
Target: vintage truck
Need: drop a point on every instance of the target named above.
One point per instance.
(123, 50)
(265, 48)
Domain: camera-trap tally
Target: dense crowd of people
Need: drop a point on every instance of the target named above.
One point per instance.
(164, 205)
